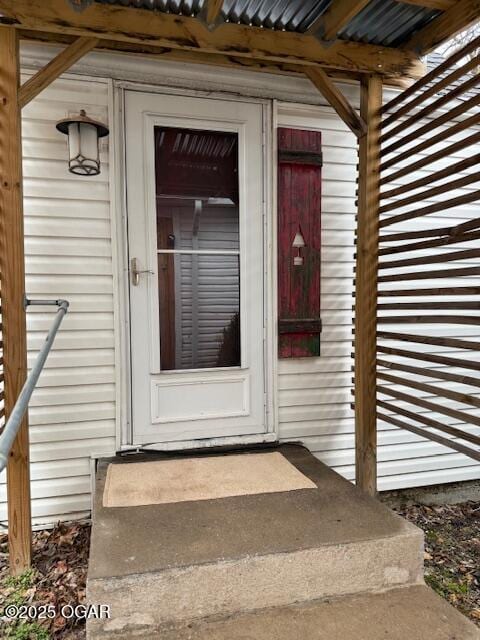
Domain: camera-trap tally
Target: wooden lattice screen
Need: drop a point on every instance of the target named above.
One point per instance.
(428, 339)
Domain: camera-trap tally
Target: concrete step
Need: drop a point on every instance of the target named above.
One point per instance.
(166, 564)
(411, 613)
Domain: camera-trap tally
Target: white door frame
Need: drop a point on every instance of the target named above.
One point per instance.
(124, 436)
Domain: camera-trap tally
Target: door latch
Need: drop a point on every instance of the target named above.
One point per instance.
(135, 272)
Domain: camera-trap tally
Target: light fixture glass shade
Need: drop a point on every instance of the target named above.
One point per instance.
(83, 143)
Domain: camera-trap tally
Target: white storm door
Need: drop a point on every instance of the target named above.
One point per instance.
(196, 255)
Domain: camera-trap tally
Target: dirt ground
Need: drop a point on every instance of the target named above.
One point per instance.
(452, 552)
(58, 578)
(452, 565)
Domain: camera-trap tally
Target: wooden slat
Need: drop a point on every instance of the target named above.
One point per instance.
(438, 374)
(466, 198)
(428, 244)
(458, 127)
(159, 29)
(431, 125)
(437, 104)
(366, 287)
(446, 187)
(457, 414)
(433, 90)
(463, 14)
(460, 363)
(465, 254)
(430, 275)
(453, 169)
(430, 306)
(337, 101)
(441, 291)
(430, 406)
(446, 442)
(436, 319)
(61, 63)
(445, 152)
(432, 75)
(457, 230)
(337, 16)
(430, 422)
(412, 235)
(12, 267)
(455, 343)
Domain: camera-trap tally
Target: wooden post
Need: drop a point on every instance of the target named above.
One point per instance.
(366, 286)
(12, 269)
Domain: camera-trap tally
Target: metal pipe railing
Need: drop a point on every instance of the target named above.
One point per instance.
(14, 421)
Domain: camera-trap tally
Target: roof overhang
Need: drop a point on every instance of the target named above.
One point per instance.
(124, 28)
(205, 37)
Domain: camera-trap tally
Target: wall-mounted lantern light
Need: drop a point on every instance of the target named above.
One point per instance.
(83, 143)
(298, 243)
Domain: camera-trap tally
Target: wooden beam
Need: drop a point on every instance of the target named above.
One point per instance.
(461, 15)
(61, 63)
(195, 57)
(337, 16)
(12, 269)
(366, 286)
(131, 25)
(441, 5)
(213, 9)
(337, 101)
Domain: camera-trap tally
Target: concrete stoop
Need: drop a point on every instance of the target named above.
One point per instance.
(408, 613)
(172, 565)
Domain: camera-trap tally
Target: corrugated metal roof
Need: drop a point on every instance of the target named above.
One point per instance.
(383, 22)
(180, 7)
(282, 15)
(387, 22)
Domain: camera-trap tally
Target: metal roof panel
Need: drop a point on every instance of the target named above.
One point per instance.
(382, 22)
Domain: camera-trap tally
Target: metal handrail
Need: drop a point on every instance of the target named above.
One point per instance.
(9, 433)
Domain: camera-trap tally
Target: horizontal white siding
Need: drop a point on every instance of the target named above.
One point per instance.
(68, 245)
(314, 395)
(69, 254)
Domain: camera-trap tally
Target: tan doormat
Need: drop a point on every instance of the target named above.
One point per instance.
(204, 478)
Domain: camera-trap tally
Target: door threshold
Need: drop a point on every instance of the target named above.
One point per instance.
(205, 444)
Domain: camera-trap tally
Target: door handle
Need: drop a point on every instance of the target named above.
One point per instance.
(135, 272)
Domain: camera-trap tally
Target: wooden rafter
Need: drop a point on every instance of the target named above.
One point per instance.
(61, 63)
(460, 16)
(337, 16)
(129, 25)
(441, 5)
(213, 9)
(337, 101)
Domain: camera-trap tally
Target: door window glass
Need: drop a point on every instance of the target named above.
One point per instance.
(198, 248)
